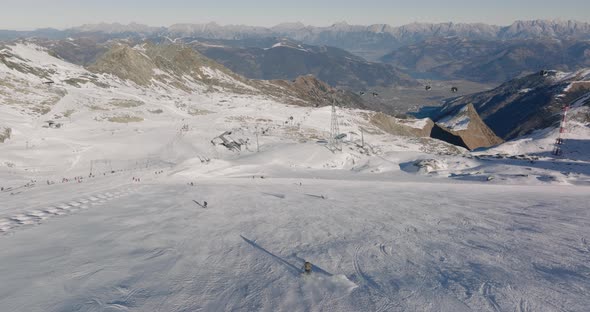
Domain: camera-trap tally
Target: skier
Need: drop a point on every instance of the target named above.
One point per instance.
(204, 204)
(307, 267)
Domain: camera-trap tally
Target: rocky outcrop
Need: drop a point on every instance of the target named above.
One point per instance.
(465, 128)
(310, 91)
(462, 128)
(171, 65)
(126, 63)
(403, 127)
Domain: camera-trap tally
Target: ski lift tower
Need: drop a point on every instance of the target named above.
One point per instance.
(334, 143)
(557, 150)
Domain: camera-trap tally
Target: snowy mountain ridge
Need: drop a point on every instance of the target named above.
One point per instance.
(139, 90)
(140, 186)
(150, 94)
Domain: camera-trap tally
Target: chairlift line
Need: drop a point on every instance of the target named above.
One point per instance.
(428, 87)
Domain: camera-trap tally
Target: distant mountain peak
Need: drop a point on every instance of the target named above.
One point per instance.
(289, 26)
(340, 25)
(115, 28)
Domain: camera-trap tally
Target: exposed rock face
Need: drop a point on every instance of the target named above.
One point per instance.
(310, 91)
(466, 129)
(126, 63)
(169, 65)
(462, 128)
(403, 127)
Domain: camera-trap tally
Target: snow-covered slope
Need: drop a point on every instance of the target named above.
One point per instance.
(100, 111)
(105, 211)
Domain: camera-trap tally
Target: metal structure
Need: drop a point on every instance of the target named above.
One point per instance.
(559, 142)
(334, 143)
(225, 140)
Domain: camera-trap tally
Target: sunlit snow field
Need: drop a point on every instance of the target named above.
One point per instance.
(375, 245)
(468, 232)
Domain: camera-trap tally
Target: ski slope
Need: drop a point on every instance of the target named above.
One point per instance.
(375, 246)
(390, 223)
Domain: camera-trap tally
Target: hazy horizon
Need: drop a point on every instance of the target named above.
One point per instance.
(265, 13)
(270, 26)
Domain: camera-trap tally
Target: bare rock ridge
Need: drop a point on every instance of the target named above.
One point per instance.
(463, 128)
(124, 62)
(403, 127)
(181, 67)
(316, 92)
(173, 65)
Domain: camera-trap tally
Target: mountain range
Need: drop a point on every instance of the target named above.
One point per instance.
(371, 41)
(287, 59)
(488, 60)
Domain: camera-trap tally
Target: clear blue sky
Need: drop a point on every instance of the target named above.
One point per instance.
(30, 14)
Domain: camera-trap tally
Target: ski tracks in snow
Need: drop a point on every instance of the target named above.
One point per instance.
(486, 292)
(384, 303)
(523, 306)
(585, 245)
(10, 223)
(382, 249)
